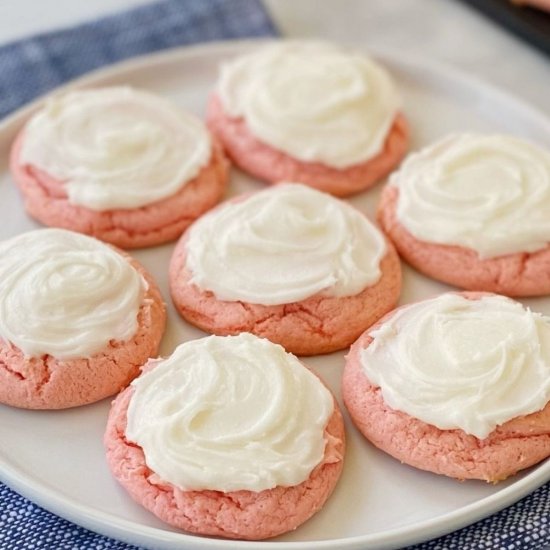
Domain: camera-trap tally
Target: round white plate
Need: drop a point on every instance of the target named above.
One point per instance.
(56, 458)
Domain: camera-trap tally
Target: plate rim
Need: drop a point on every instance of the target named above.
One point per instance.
(125, 530)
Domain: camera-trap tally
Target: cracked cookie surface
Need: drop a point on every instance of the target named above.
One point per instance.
(152, 224)
(236, 514)
(511, 447)
(521, 274)
(272, 165)
(319, 324)
(49, 383)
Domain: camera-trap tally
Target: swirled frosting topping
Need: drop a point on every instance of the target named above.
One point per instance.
(115, 147)
(65, 294)
(489, 193)
(454, 362)
(312, 100)
(283, 245)
(230, 413)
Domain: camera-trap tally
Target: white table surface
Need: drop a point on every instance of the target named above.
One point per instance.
(444, 30)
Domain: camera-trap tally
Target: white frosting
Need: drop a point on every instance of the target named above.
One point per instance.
(283, 245)
(230, 413)
(489, 193)
(65, 294)
(116, 147)
(312, 100)
(459, 363)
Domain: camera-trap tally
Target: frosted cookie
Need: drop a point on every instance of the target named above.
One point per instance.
(310, 112)
(229, 436)
(119, 164)
(77, 319)
(457, 385)
(474, 211)
(289, 263)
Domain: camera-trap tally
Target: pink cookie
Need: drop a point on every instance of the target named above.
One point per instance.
(236, 514)
(152, 224)
(521, 274)
(265, 162)
(49, 383)
(319, 324)
(511, 447)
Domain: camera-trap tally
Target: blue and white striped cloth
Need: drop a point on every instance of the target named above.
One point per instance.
(33, 66)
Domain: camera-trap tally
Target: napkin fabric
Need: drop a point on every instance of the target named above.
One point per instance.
(33, 66)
